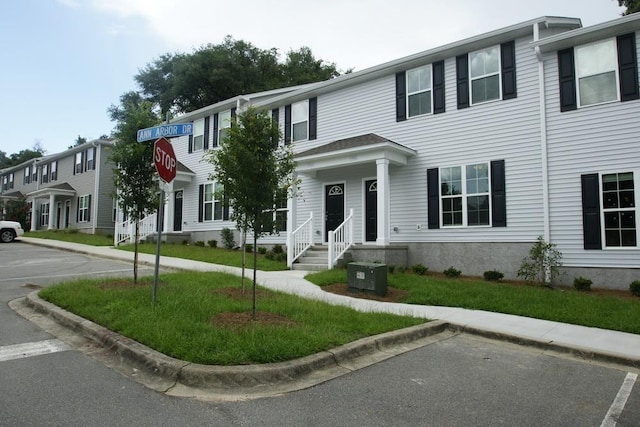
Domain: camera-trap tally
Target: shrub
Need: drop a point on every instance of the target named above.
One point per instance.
(419, 269)
(269, 255)
(200, 243)
(391, 268)
(213, 243)
(582, 283)
(277, 249)
(227, 238)
(248, 247)
(185, 242)
(492, 275)
(262, 250)
(452, 272)
(401, 269)
(280, 256)
(542, 264)
(634, 287)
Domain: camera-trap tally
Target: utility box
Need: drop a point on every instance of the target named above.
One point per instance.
(367, 277)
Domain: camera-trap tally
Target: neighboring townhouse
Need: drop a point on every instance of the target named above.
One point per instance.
(71, 189)
(460, 156)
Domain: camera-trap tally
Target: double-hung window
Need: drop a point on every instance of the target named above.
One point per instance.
(34, 173)
(198, 135)
(45, 173)
(465, 195)
(54, 170)
(484, 72)
(27, 175)
(300, 120)
(83, 208)
(78, 164)
(419, 93)
(212, 204)
(44, 214)
(619, 210)
(597, 72)
(91, 163)
(224, 123)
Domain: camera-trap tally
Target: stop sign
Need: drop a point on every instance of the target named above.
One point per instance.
(165, 160)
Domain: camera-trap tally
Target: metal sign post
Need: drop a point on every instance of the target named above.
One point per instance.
(159, 224)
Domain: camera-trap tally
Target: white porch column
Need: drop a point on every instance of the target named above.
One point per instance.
(52, 201)
(382, 175)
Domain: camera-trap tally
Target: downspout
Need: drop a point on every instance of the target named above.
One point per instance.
(543, 137)
(96, 188)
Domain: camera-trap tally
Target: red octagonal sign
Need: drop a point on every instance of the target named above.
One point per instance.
(165, 160)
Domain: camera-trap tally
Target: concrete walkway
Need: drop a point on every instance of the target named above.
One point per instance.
(591, 343)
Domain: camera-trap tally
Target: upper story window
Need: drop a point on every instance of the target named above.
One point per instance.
(198, 135)
(54, 170)
(486, 75)
(598, 72)
(78, 163)
(419, 91)
(91, 163)
(27, 175)
(301, 120)
(484, 71)
(5, 182)
(224, 123)
(34, 173)
(45, 173)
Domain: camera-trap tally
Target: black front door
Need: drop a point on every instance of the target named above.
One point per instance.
(334, 208)
(67, 210)
(58, 214)
(371, 210)
(177, 211)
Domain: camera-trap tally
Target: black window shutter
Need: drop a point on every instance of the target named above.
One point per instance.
(401, 96)
(591, 212)
(206, 133)
(438, 87)
(313, 118)
(567, 76)
(89, 208)
(508, 59)
(287, 124)
(628, 67)
(498, 195)
(462, 80)
(78, 210)
(275, 118)
(225, 207)
(191, 143)
(200, 202)
(233, 115)
(214, 142)
(433, 198)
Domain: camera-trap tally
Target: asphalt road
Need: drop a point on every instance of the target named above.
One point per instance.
(463, 380)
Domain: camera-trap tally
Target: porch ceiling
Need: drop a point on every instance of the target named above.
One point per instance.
(352, 151)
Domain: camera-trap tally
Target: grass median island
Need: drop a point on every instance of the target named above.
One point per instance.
(203, 318)
(72, 235)
(595, 309)
(204, 253)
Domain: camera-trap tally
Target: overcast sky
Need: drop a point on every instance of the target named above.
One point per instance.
(64, 62)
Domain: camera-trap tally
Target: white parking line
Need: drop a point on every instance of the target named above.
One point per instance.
(30, 349)
(620, 401)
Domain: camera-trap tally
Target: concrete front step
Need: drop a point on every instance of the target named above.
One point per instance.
(309, 267)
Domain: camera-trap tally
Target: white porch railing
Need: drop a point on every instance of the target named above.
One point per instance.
(300, 240)
(125, 231)
(340, 240)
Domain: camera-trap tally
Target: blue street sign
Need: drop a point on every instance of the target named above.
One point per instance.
(168, 131)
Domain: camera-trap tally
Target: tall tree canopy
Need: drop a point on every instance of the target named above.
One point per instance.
(185, 82)
(7, 161)
(632, 6)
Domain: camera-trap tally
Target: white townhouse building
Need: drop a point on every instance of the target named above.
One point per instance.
(461, 155)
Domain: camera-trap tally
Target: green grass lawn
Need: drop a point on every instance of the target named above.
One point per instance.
(183, 322)
(207, 254)
(72, 235)
(562, 305)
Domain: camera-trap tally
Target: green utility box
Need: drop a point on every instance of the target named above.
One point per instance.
(367, 277)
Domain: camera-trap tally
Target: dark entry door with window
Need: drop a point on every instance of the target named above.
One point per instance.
(371, 210)
(177, 211)
(334, 207)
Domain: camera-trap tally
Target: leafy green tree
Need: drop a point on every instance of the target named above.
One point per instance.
(134, 172)
(185, 82)
(632, 6)
(21, 156)
(17, 210)
(255, 173)
(543, 263)
(79, 141)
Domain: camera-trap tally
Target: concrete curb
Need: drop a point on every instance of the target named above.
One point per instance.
(246, 379)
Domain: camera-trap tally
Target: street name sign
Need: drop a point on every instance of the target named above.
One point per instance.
(167, 131)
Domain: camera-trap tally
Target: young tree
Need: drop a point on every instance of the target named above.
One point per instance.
(134, 172)
(255, 173)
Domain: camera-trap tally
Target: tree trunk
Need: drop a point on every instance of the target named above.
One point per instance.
(243, 242)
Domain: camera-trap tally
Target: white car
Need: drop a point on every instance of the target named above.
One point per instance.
(9, 230)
